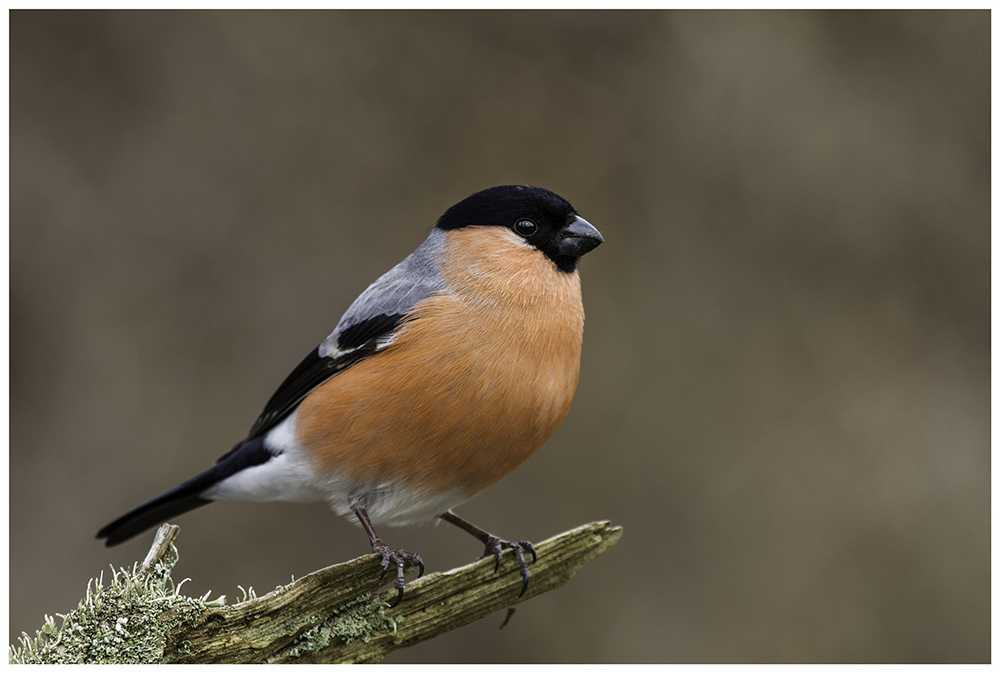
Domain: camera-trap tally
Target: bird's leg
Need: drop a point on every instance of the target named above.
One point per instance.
(388, 554)
(495, 545)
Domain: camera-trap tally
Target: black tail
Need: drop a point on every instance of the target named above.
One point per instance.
(185, 497)
(173, 503)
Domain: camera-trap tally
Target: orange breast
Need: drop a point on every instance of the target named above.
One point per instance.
(476, 382)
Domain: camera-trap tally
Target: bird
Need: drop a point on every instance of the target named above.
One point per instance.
(441, 378)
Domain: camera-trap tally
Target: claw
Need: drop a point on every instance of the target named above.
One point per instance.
(495, 547)
(389, 555)
(399, 558)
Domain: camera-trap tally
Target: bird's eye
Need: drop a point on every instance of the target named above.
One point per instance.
(525, 227)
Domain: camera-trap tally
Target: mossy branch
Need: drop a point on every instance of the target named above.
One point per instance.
(334, 615)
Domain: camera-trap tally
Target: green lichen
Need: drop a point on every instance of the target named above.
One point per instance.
(124, 623)
(363, 618)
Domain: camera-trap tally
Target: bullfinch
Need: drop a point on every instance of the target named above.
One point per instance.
(440, 379)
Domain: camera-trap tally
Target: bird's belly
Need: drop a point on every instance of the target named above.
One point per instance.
(443, 413)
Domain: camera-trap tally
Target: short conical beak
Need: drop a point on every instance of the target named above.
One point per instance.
(579, 238)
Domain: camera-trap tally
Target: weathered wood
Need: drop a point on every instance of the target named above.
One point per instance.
(162, 543)
(336, 615)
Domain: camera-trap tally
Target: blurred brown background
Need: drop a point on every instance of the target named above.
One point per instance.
(785, 388)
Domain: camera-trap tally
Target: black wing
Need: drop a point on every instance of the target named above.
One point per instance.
(359, 341)
(355, 343)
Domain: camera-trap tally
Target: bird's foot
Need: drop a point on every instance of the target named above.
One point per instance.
(495, 547)
(398, 557)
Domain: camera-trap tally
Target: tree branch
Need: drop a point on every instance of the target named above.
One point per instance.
(334, 615)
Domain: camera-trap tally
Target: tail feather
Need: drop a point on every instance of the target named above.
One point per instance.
(185, 497)
(148, 515)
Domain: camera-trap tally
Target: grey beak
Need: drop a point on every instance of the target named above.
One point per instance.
(579, 238)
